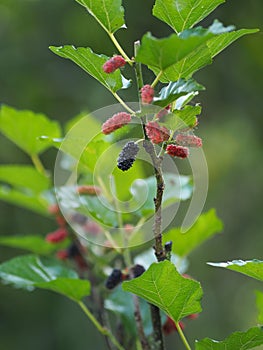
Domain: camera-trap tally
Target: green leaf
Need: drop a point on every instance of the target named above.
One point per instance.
(160, 54)
(259, 301)
(30, 272)
(92, 63)
(251, 268)
(29, 201)
(174, 90)
(25, 127)
(183, 14)
(164, 287)
(236, 341)
(203, 55)
(109, 13)
(33, 243)
(144, 190)
(181, 119)
(207, 225)
(24, 176)
(219, 43)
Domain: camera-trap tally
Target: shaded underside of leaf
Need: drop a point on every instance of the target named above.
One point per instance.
(174, 90)
(236, 341)
(251, 268)
(207, 225)
(164, 287)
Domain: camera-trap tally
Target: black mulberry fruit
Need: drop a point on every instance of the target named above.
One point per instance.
(114, 279)
(127, 156)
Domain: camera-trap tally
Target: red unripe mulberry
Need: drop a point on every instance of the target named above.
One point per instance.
(188, 140)
(115, 122)
(177, 151)
(147, 94)
(113, 63)
(157, 133)
(57, 236)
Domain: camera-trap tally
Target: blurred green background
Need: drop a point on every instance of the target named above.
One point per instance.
(31, 77)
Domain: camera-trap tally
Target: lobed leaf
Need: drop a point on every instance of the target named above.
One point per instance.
(164, 287)
(108, 13)
(23, 176)
(207, 225)
(203, 55)
(30, 272)
(25, 127)
(183, 14)
(251, 268)
(161, 54)
(236, 341)
(92, 63)
(176, 89)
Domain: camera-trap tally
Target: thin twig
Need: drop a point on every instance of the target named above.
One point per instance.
(139, 324)
(157, 164)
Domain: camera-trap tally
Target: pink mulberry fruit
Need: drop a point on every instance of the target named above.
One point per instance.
(188, 140)
(147, 94)
(157, 133)
(115, 122)
(113, 63)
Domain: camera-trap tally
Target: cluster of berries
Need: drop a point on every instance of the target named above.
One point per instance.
(117, 276)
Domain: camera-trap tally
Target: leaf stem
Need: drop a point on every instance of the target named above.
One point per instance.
(38, 164)
(182, 336)
(156, 80)
(138, 68)
(100, 328)
(123, 103)
(120, 49)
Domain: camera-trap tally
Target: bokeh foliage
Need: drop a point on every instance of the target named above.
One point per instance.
(31, 77)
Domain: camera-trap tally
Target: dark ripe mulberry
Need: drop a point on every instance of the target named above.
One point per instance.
(114, 279)
(127, 156)
(137, 270)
